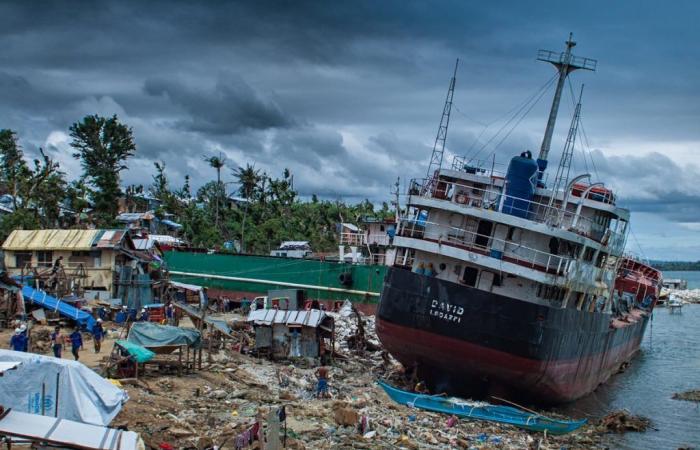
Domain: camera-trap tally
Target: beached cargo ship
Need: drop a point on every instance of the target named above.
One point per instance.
(503, 284)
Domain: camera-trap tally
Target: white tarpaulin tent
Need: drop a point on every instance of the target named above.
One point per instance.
(58, 388)
(66, 433)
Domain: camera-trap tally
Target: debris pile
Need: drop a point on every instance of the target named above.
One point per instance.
(231, 394)
(686, 295)
(690, 396)
(622, 421)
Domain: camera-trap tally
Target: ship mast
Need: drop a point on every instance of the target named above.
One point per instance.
(439, 145)
(565, 63)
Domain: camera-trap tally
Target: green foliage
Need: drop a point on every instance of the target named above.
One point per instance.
(21, 219)
(37, 192)
(272, 212)
(676, 265)
(13, 167)
(103, 146)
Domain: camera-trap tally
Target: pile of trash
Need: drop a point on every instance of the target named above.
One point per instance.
(690, 396)
(622, 421)
(686, 295)
(220, 404)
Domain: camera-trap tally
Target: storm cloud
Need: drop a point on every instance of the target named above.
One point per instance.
(348, 96)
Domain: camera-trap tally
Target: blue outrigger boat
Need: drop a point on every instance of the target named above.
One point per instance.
(482, 411)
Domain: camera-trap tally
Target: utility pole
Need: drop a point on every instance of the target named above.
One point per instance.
(439, 145)
(565, 63)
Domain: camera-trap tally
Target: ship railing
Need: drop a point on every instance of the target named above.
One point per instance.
(378, 239)
(478, 166)
(487, 245)
(495, 200)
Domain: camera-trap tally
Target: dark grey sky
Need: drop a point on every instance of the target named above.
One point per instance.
(348, 95)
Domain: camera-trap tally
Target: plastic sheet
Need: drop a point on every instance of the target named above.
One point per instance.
(59, 388)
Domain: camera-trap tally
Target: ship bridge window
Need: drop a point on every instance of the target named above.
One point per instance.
(588, 254)
(483, 233)
(470, 276)
(548, 292)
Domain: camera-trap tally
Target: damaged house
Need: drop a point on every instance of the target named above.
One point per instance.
(293, 334)
(100, 264)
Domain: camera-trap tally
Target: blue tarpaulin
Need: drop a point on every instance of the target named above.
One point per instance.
(41, 298)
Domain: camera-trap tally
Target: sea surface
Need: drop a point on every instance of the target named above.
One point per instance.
(668, 362)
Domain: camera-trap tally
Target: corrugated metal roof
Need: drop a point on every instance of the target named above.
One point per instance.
(51, 240)
(110, 238)
(310, 318)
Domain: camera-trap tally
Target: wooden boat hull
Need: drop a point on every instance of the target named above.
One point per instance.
(493, 413)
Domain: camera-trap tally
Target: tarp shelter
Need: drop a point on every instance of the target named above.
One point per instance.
(138, 353)
(66, 433)
(59, 388)
(147, 334)
(9, 365)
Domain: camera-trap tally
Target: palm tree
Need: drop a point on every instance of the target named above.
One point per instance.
(217, 162)
(249, 182)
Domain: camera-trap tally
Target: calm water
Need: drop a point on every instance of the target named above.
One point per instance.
(668, 362)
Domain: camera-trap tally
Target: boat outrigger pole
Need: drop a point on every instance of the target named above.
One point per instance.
(565, 63)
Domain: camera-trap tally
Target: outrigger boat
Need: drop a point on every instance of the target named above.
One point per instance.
(482, 411)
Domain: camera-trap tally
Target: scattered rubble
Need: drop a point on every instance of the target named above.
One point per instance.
(623, 421)
(686, 295)
(690, 396)
(234, 391)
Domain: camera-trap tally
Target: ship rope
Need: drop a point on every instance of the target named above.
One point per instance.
(515, 115)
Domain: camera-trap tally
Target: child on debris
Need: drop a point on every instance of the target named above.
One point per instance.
(98, 334)
(57, 342)
(76, 340)
(322, 388)
(18, 342)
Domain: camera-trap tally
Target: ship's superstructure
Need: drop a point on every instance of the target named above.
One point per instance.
(504, 279)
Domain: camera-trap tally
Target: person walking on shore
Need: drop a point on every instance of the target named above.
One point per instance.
(18, 342)
(76, 341)
(322, 388)
(98, 334)
(57, 342)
